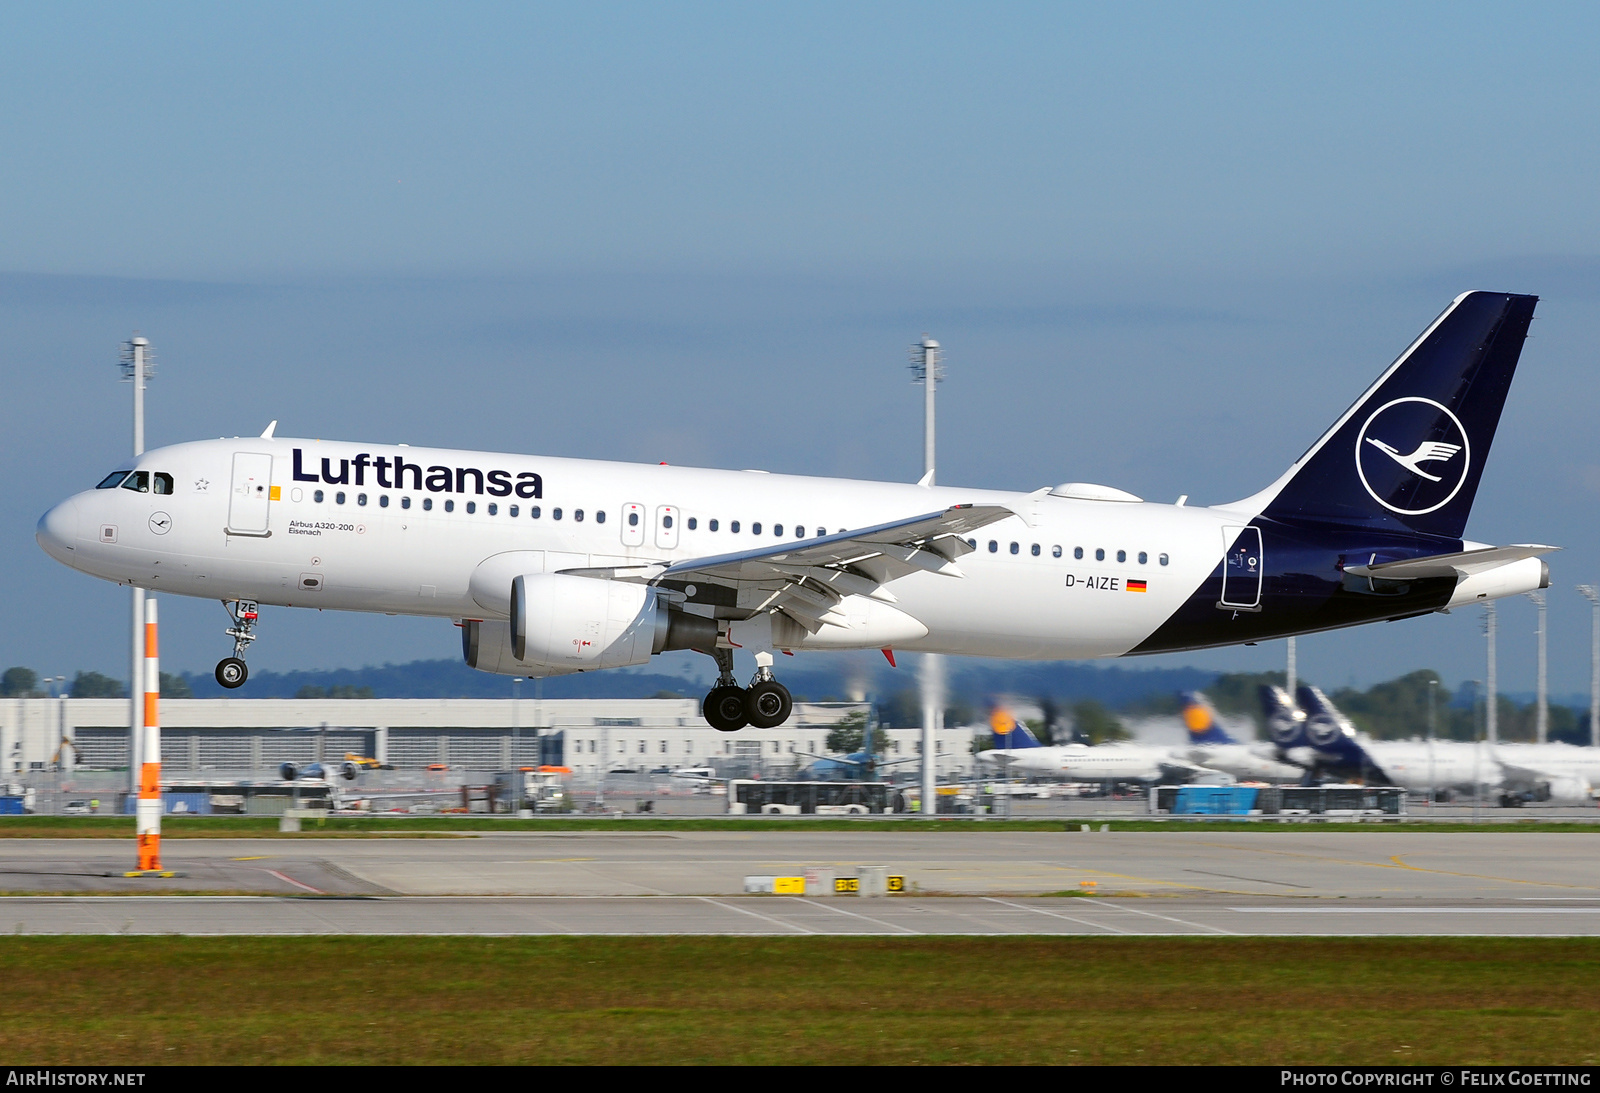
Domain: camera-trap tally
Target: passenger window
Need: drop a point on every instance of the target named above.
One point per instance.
(494, 509)
(449, 505)
(316, 495)
(799, 533)
(405, 502)
(383, 500)
(112, 480)
(533, 511)
(361, 499)
(513, 510)
(734, 527)
(577, 514)
(1099, 554)
(994, 547)
(138, 482)
(777, 529)
(162, 483)
(1055, 552)
(600, 517)
(1035, 550)
(1014, 547)
(427, 504)
(755, 528)
(973, 543)
(1143, 557)
(555, 514)
(338, 498)
(1122, 555)
(712, 525)
(1077, 552)
(472, 507)
(693, 523)
(633, 519)
(1162, 559)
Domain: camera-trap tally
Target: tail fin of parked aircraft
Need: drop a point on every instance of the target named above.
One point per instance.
(1286, 724)
(1200, 718)
(1408, 455)
(1009, 733)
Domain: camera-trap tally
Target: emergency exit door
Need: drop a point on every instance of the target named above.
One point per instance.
(251, 496)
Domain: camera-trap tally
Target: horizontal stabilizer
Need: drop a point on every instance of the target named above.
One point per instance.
(1461, 563)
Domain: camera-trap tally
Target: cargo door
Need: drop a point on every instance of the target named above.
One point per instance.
(250, 500)
(1241, 570)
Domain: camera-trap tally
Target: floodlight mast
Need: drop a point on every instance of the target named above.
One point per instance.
(927, 370)
(138, 367)
(1542, 730)
(1591, 593)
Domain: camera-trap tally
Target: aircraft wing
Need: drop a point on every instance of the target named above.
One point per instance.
(1462, 563)
(807, 578)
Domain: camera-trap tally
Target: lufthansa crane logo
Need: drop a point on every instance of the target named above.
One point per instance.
(1413, 455)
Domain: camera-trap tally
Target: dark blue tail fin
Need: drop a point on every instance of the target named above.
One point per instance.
(1286, 725)
(1334, 739)
(1408, 455)
(1009, 733)
(1200, 718)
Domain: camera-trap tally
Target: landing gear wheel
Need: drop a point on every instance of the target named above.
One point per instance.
(724, 709)
(767, 704)
(232, 672)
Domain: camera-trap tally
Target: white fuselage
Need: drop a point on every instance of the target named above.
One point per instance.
(239, 524)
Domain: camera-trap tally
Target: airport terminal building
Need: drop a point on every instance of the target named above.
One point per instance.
(245, 734)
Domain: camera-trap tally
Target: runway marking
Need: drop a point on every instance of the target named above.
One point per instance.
(1480, 876)
(1394, 862)
(296, 883)
(1179, 921)
(755, 914)
(864, 918)
(253, 857)
(1418, 910)
(1057, 914)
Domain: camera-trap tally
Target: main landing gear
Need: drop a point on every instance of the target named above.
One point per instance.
(765, 704)
(232, 671)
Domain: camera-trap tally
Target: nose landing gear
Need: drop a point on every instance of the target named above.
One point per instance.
(729, 707)
(232, 671)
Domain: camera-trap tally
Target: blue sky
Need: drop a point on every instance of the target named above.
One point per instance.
(1164, 244)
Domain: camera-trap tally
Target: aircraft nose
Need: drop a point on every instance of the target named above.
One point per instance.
(58, 531)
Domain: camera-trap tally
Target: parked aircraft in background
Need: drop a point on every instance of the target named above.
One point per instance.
(1211, 746)
(552, 566)
(1024, 756)
(1513, 773)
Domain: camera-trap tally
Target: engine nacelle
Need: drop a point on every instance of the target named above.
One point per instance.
(562, 623)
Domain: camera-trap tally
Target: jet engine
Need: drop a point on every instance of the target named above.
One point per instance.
(562, 623)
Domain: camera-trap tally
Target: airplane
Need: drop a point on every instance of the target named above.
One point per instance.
(1317, 738)
(1019, 752)
(1210, 745)
(552, 566)
(1516, 773)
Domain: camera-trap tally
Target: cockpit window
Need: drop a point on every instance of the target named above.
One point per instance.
(162, 483)
(113, 480)
(138, 481)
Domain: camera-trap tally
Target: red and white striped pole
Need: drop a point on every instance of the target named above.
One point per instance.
(148, 810)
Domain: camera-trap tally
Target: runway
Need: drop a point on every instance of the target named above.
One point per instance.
(778, 916)
(986, 882)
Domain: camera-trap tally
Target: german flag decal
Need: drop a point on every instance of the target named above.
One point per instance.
(1135, 586)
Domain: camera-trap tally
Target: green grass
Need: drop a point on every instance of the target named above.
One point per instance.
(127, 1001)
(202, 827)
